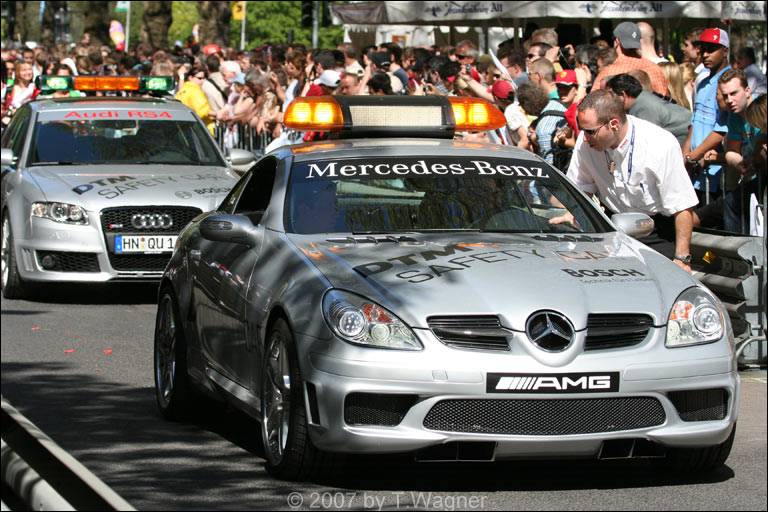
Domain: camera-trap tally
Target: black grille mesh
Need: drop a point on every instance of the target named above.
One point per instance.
(181, 215)
(482, 332)
(139, 262)
(700, 405)
(606, 331)
(373, 409)
(545, 417)
(71, 261)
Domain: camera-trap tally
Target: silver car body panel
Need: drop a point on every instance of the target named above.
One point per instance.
(97, 187)
(230, 296)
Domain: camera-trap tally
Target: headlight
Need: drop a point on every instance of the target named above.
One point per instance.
(360, 321)
(696, 318)
(60, 212)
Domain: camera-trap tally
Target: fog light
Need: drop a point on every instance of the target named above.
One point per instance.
(49, 262)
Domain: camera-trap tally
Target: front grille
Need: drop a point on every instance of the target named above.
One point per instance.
(374, 409)
(482, 332)
(606, 331)
(118, 220)
(139, 262)
(701, 404)
(551, 417)
(70, 261)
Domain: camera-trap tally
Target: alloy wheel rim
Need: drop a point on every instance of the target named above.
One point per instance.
(6, 253)
(277, 402)
(165, 367)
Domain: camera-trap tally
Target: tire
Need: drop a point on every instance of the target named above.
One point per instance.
(699, 460)
(288, 450)
(13, 285)
(173, 392)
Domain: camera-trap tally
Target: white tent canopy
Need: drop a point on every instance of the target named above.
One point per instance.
(460, 12)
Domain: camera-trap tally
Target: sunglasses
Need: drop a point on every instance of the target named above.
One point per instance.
(593, 131)
(709, 47)
(532, 56)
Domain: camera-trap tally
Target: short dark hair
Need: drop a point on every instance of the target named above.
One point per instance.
(532, 99)
(605, 103)
(625, 83)
(213, 63)
(746, 53)
(380, 82)
(544, 48)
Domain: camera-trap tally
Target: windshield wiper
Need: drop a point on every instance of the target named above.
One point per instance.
(56, 163)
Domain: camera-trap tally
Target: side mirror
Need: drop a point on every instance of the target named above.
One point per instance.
(240, 157)
(6, 157)
(636, 225)
(231, 229)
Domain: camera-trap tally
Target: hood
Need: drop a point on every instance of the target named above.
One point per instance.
(95, 187)
(507, 275)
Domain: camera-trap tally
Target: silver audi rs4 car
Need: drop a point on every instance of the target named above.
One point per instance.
(98, 188)
(393, 290)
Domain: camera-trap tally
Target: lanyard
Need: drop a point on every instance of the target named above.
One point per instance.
(631, 154)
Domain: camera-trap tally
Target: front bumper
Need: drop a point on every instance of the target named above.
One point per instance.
(85, 244)
(438, 373)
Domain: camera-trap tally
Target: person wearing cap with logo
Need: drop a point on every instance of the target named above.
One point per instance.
(632, 165)
(627, 44)
(325, 84)
(709, 123)
(517, 123)
(570, 92)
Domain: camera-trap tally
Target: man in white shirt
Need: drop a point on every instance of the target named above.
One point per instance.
(648, 43)
(634, 166)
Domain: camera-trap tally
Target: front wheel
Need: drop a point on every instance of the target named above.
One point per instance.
(172, 389)
(288, 449)
(12, 283)
(699, 460)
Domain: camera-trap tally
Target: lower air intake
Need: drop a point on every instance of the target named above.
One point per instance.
(701, 404)
(374, 409)
(545, 417)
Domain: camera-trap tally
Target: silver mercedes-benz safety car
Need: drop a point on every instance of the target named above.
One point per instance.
(98, 188)
(393, 290)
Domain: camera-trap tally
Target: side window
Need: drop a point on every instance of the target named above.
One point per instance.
(14, 136)
(229, 202)
(258, 191)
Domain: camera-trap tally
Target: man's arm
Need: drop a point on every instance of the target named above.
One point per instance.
(712, 141)
(683, 230)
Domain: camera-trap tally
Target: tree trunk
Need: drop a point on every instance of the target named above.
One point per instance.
(214, 22)
(96, 19)
(155, 24)
(48, 29)
(27, 24)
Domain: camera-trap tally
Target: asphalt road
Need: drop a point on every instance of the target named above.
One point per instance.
(79, 364)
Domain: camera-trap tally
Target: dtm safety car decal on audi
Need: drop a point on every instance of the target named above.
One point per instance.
(123, 184)
(603, 382)
(426, 167)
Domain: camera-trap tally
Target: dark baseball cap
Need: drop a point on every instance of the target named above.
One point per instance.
(628, 34)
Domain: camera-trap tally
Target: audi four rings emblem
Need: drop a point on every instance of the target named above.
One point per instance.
(152, 221)
(549, 330)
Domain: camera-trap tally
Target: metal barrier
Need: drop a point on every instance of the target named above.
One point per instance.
(734, 268)
(240, 136)
(45, 477)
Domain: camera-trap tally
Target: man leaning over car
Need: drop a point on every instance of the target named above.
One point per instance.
(634, 166)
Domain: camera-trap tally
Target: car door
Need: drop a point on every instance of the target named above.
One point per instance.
(14, 138)
(230, 266)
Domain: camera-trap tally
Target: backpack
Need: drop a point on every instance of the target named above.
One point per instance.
(561, 157)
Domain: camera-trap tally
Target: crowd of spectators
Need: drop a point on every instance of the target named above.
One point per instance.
(538, 87)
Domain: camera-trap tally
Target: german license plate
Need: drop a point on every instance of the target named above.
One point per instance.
(144, 244)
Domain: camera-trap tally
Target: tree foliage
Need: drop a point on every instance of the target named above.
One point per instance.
(271, 22)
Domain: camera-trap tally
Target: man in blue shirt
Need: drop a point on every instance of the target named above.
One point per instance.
(709, 123)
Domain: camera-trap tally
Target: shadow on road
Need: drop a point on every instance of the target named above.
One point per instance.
(215, 461)
(95, 293)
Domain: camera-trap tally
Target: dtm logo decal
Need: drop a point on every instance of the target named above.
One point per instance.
(605, 382)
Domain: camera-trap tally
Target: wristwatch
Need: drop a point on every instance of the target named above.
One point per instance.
(685, 259)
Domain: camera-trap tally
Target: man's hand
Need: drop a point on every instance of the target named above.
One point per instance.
(566, 218)
(553, 54)
(684, 266)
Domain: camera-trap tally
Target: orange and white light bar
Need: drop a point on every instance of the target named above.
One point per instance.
(48, 83)
(427, 116)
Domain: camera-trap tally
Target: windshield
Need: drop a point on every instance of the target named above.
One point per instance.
(77, 141)
(435, 194)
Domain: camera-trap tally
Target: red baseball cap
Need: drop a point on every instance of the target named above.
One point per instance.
(210, 49)
(502, 89)
(716, 36)
(566, 76)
